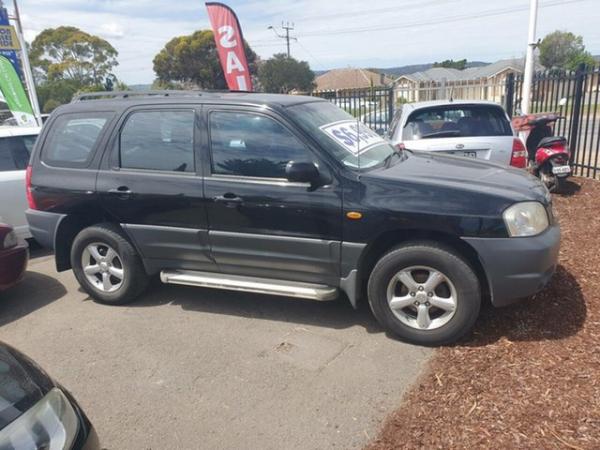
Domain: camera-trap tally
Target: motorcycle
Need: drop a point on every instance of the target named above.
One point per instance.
(548, 155)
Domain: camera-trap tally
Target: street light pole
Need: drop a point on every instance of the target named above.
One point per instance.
(529, 59)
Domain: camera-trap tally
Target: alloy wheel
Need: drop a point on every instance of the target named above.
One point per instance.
(102, 267)
(422, 297)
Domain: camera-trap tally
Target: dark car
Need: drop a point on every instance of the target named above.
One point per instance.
(14, 255)
(284, 195)
(35, 411)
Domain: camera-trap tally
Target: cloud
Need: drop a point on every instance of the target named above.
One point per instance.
(112, 30)
(139, 29)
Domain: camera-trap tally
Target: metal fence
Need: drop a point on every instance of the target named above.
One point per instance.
(374, 106)
(580, 90)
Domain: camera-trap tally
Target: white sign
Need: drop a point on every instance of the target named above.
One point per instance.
(353, 136)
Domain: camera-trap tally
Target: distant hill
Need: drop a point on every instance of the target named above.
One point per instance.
(412, 68)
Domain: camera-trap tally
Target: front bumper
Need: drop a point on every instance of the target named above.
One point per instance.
(517, 267)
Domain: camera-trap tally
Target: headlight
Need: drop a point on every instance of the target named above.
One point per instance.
(51, 423)
(525, 219)
(10, 240)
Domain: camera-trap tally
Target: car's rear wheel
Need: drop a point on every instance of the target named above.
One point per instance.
(424, 293)
(107, 266)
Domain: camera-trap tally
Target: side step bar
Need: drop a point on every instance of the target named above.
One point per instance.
(297, 289)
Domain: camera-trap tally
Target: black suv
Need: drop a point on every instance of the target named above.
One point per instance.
(284, 195)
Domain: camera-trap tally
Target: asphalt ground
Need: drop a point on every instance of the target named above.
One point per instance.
(197, 368)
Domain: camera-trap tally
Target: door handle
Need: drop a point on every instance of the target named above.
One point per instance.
(121, 191)
(229, 199)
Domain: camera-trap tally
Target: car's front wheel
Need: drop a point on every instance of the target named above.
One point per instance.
(424, 293)
(107, 266)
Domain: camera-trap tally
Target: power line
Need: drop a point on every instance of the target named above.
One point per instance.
(287, 27)
(369, 12)
(456, 18)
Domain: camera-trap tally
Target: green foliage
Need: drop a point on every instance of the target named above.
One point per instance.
(67, 60)
(68, 53)
(50, 105)
(564, 50)
(281, 74)
(193, 60)
(460, 64)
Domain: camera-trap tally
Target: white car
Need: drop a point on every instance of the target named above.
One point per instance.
(16, 144)
(475, 129)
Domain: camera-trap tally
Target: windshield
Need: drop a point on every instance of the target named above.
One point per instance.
(353, 143)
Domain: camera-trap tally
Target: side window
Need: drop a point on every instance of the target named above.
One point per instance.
(253, 145)
(73, 137)
(158, 140)
(7, 162)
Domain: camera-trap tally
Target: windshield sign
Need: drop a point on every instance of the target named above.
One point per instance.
(355, 137)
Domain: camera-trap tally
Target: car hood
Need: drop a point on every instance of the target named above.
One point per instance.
(458, 173)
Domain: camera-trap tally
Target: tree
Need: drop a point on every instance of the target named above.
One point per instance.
(281, 74)
(193, 61)
(460, 64)
(563, 50)
(68, 53)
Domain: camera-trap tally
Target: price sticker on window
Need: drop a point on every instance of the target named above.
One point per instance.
(354, 137)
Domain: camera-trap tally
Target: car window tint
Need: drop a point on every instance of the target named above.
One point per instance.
(15, 152)
(73, 137)
(158, 140)
(252, 145)
(7, 161)
(457, 121)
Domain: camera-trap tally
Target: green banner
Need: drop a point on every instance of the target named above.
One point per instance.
(14, 94)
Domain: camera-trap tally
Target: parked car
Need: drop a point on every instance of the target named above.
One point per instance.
(14, 255)
(283, 195)
(474, 129)
(15, 147)
(37, 412)
(376, 120)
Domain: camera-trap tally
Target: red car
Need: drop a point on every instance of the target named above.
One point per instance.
(14, 255)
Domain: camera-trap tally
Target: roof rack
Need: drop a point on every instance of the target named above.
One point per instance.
(128, 94)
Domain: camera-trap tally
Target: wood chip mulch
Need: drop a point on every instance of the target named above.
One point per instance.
(529, 375)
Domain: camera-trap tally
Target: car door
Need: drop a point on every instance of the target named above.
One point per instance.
(14, 156)
(260, 224)
(151, 184)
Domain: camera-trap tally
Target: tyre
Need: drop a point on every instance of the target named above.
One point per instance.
(107, 266)
(424, 293)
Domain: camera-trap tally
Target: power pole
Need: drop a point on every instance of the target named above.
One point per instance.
(529, 59)
(287, 27)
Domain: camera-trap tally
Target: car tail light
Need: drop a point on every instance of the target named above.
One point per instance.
(518, 158)
(30, 199)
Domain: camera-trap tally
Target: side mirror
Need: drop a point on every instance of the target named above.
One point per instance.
(302, 172)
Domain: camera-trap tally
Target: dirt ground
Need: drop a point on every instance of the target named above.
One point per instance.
(529, 375)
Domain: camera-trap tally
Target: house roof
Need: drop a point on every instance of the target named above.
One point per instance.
(350, 78)
(437, 74)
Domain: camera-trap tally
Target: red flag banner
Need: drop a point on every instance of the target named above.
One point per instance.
(230, 45)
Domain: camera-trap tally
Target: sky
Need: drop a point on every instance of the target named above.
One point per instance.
(330, 34)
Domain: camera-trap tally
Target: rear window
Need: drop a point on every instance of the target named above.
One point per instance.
(73, 137)
(15, 151)
(456, 121)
